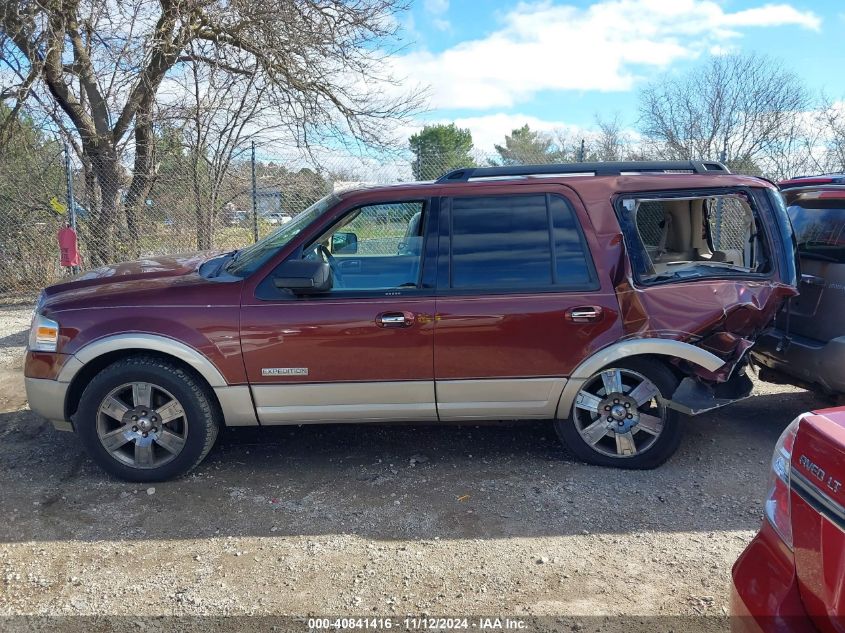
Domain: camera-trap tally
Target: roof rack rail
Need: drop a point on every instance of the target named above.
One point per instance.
(609, 168)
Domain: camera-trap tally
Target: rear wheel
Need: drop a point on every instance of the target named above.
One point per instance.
(620, 419)
(146, 419)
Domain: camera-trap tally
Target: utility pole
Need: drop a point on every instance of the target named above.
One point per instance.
(717, 233)
(71, 205)
(254, 199)
(581, 152)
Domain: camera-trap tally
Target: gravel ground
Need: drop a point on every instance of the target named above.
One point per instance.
(376, 520)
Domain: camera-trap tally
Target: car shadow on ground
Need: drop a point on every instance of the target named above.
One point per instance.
(396, 482)
(18, 339)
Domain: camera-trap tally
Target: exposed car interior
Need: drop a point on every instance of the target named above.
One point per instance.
(698, 236)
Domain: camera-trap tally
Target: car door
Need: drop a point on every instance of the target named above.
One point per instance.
(819, 223)
(364, 350)
(519, 302)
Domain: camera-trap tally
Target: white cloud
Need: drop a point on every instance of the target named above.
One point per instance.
(438, 9)
(491, 129)
(607, 47)
(774, 15)
(718, 50)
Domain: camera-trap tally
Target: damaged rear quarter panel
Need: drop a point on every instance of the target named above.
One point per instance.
(722, 315)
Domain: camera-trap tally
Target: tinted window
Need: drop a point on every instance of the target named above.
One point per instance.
(820, 229)
(572, 267)
(504, 242)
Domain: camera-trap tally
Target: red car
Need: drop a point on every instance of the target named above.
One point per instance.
(791, 578)
(608, 297)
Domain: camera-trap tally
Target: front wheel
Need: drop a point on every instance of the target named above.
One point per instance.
(620, 418)
(146, 419)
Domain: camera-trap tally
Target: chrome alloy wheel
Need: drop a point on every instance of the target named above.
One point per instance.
(619, 413)
(142, 425)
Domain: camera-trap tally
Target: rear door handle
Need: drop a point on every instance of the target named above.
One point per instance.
(812, 280)
(584, 314)
(395, 319)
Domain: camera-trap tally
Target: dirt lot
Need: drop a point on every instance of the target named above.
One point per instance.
(375, 520)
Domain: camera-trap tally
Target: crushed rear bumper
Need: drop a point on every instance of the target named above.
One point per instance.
(693, 396)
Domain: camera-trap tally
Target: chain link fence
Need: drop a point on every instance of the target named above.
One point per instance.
(190, 206)
(729, 223)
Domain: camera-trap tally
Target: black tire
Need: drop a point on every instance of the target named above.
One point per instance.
(660, 449)
(201, 417)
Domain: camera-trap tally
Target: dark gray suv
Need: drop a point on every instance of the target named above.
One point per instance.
(807, 345)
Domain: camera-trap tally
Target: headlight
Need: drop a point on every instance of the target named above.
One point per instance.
(43, 334)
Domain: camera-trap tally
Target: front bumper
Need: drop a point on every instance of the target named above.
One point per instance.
(47, 398)
(764, 589)
(807, 360)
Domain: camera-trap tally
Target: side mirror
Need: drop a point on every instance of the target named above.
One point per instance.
(303, 276)
(344, 243)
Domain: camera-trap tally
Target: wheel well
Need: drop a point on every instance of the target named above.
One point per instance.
(95, 366)
(657, 358)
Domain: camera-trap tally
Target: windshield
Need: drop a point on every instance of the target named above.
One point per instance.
(820, 228)
(251, 258)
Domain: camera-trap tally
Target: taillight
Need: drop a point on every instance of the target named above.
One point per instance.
(777, 503)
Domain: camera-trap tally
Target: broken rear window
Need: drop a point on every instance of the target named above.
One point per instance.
(687, 237)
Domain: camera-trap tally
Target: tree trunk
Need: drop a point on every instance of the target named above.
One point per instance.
(102, 248)
(143, 175)
(204, 229)
(92, 191)
(202, 207)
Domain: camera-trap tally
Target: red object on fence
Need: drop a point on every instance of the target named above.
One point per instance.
(69, 247)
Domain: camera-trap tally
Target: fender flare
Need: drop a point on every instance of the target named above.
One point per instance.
(151, 342)
(624, 349)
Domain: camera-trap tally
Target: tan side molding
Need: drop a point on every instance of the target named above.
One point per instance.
(153, 342)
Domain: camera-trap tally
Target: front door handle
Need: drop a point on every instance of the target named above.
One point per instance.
(584, 314)
(395, 319)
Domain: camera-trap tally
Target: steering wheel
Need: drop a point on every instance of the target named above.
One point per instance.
(332, 262)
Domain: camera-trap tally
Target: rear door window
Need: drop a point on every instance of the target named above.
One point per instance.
(517, 242)
(819, 227)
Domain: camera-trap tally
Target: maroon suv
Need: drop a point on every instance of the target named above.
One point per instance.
(608, 297)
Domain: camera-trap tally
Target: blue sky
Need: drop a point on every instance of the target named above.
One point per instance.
(492, 65)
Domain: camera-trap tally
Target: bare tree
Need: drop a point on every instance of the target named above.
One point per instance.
(224, 111)
(610, 141)
(828, 147)
(740, 108)
(99, 66)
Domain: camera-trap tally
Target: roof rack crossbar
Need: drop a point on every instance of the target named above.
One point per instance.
(609, 168)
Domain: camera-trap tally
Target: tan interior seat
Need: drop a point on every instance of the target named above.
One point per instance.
(683, 236)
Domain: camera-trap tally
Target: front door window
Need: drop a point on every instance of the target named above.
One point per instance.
(374, 247)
